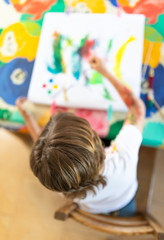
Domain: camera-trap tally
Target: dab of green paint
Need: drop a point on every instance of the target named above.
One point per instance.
(96, 78)
(58, 65)
(1, 30)
(83, 40)
(106, 94)
(110, 112)
(109, 45)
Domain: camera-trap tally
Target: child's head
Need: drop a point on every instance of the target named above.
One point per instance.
(68, 156)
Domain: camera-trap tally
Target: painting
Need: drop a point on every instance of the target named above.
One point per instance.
(61, 71)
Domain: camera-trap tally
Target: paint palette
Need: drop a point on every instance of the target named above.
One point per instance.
(62, 72)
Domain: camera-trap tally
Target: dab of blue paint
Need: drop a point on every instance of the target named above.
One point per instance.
(51, 80)
(7, 1)
(76, 66)
(114, 2)
(110, 112)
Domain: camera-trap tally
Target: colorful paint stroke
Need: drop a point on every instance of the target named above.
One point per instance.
(151, 9)
(58, 65)
(79, 52)
(35, 7)
(118, 60)
(15, 42)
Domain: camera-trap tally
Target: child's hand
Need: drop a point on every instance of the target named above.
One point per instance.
(30, 121)
(97, 64)
(19, 104)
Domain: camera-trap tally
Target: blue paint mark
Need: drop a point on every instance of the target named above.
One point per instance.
(114, 2)
(11, 84)
(7, 1)
(76, 66)
(51, 80)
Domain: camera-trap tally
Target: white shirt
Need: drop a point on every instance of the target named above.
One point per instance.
(121, 174)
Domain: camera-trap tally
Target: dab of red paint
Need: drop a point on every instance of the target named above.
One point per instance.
(85, 51)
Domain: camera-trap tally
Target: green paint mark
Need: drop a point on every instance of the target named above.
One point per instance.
(49, 92)
(158, 26)
(110, 112)
(96, 78)
(152, 35)
(83, 40)
(58, 65)
(109, 45)
(106, 94)
(32, 28)
(1, 30)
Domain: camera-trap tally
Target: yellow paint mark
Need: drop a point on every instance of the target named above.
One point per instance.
(124, 3)
(96, 6)
(127, 3)
(118, 60)
(55, 86)
(114, 149)
(155, 54)
(16, 42)
(65, 94)
(20, 2)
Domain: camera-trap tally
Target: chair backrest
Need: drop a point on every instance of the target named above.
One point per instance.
(142, 223)
(137, 225)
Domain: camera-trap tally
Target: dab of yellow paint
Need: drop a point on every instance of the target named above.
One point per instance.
(55, 86)
(65, 94)
(20, 2)
(127, 3)
(118, 59)
(155, 53)
(96, 6)
(123, 2)
(114, 149)
(16, 42)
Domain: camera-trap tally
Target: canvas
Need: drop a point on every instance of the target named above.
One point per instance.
(62, 72)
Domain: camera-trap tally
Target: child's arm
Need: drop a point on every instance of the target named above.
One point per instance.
(136, 106)
(31, 123)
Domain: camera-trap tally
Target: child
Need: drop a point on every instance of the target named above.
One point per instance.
(68, 157)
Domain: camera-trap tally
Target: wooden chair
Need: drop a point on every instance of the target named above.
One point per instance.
(142, 223)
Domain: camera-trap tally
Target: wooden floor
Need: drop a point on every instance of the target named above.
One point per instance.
(27, 208)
